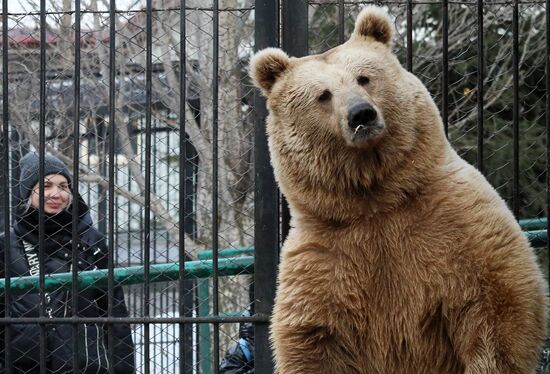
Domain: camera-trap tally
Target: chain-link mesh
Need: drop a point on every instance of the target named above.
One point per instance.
(463, 70)
(181, 191)
(159, 194)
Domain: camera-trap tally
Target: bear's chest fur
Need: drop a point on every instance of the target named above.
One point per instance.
(389, 286)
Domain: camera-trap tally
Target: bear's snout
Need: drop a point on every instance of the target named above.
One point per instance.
(362, 114)
(364, 124)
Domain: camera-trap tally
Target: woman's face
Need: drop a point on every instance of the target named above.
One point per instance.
(57, 195)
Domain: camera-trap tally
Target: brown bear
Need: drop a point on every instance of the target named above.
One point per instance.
(401, 257)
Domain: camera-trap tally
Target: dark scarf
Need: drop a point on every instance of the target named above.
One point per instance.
(57, 227)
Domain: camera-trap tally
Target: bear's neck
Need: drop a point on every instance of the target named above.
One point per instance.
(353, 196)
(337, 209)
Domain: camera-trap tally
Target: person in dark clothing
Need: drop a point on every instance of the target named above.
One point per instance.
(239, 358)
(24, 254)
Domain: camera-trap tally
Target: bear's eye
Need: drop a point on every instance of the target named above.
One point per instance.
(362, 80)
(325, 96)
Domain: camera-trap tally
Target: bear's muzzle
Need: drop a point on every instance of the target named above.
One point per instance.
(364, 124)
(361, 114)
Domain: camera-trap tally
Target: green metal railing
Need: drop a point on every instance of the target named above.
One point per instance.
(232, 261)
(535, 230)
(533, 224)
(133, 275)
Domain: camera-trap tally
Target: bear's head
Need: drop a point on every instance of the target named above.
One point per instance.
(351, 132)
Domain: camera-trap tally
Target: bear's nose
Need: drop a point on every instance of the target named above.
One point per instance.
(361, 114)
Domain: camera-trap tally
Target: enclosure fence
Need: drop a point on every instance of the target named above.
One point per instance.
(150, 106)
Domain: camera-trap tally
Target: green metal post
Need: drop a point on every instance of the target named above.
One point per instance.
(204, 328)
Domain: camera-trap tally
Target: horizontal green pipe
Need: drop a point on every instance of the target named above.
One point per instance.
(169, 272)
(226, 252)
(132, 275)
(538, 238)
(534, 229)
(533, 223)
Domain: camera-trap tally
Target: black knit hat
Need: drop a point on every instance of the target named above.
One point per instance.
(30, 175)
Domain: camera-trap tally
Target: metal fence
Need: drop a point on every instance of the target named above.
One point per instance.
(150, 106)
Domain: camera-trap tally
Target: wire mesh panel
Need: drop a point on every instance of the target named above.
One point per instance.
(463, 32)
(149, 106)
(500, 129)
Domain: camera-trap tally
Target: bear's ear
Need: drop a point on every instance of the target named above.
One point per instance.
(375, 22)
(266, 66)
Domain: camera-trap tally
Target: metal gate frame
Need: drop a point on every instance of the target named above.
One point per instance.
(279, 23)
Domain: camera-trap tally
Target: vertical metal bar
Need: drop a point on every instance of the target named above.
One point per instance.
(102, 192)
(88, 163)
(6, 184)
(295, 43)
(15, 169)
(215, 244)
(157, 345)
(132, 308)
(111, 152)
(141, 225)
(285, 217)
(295, 30)
(203, 292)
(114, 251)
(147, 239)
(547, 120)
(266, 219)
(185, 344)
(165, 300)
(445, 76)
(341, 21)
(516, 109)
(41, 154)
(480, 79)
(116, 219)
(111, 174)
(75, 184)
(409, 35)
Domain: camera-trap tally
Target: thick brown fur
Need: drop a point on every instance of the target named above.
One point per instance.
(401, 257)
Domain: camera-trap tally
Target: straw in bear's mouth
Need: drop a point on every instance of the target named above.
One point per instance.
(358, 128)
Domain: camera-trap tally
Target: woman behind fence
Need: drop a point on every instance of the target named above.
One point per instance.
(24, 254)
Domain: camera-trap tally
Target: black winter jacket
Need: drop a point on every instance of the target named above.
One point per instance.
(239, 358)
(92, 337)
